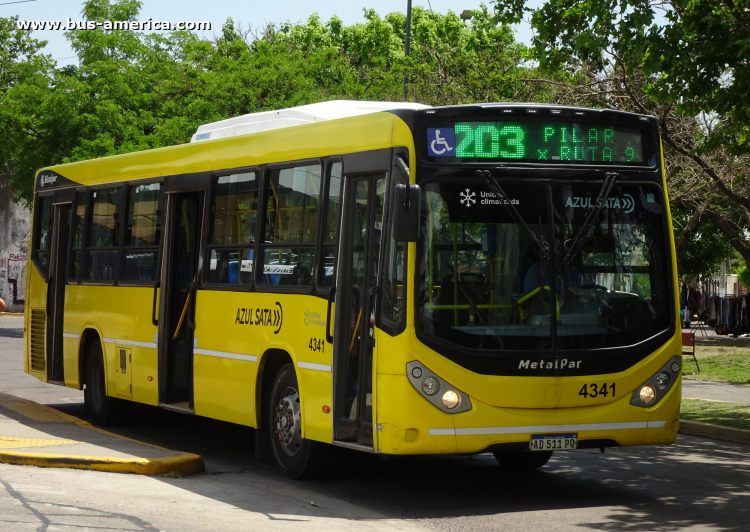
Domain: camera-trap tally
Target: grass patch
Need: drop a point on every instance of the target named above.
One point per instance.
(716, 413)
(733, 367)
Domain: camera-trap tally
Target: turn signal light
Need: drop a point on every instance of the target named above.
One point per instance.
(326, 409)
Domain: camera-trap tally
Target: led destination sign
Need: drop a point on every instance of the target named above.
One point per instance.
(538, 142)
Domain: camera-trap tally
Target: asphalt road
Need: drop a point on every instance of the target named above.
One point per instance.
(696, 484)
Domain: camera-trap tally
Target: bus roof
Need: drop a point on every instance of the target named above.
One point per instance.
(294, 116)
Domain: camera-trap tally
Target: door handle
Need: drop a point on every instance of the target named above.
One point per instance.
(153, 309)
(331, 299)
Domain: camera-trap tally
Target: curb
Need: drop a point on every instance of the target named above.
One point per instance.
(181, 464)
(717, 432)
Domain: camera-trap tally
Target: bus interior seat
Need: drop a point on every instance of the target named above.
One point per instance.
(233, 272)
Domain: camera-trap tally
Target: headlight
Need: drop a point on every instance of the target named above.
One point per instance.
(430, 386)
(653, 390)
(648, 394)
(442, 394)
(451, 399)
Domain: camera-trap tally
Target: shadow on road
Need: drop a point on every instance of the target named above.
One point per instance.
(697, 482)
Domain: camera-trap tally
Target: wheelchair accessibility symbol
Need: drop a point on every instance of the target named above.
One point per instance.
(441, 142)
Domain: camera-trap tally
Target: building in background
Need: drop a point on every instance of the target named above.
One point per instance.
(15, 230)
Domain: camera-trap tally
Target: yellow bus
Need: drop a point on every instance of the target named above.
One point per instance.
(392, 278)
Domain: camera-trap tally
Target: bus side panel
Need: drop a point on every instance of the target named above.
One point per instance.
(233, 326)
(123, 315)
(224, 387)
(72, 325)
(36, 299)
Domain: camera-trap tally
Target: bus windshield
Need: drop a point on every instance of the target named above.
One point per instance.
(485, 284)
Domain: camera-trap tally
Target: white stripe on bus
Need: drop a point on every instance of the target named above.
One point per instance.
(74, 336)
(132, 343)
(222, 354)
(315, 367)
(546, 428)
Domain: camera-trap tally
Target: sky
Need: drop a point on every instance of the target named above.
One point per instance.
(248, 13)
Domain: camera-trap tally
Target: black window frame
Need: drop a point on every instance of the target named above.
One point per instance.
(43, 271)
(323, 216)
(123, 249)
(87, 228)
(82, 250)
(261, 246)
(208, 247)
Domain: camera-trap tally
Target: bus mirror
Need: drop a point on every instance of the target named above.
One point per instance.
(407, 203)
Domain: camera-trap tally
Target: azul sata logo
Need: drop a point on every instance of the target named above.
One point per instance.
(468, 198)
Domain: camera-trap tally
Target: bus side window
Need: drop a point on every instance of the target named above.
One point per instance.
(327, 273)
(234, 217)
(104, 235)
(76, 247)
(43, 233)
(143, 233)
(291, 226)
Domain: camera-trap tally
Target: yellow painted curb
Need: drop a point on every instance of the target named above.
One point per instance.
(182, 464)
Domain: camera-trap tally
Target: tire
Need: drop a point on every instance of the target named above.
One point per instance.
(103, 410)
(297, 457)
(522, 460)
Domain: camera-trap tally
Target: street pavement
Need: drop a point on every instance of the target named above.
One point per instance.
(696, 484)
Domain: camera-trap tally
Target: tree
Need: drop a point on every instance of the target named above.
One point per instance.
(684, 62)
(134, 91)
(25, 75)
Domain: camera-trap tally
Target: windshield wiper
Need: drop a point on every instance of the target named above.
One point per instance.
(607, 186)
(492, 184)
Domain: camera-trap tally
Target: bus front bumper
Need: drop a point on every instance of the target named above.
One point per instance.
(421, 428)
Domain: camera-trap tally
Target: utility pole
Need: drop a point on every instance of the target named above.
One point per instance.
(407, 42)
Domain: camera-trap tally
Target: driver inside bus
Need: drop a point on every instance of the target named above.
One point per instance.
(538, 275)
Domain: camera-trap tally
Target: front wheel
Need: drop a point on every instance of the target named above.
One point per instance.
(522, 461)
(104, 410)
(296, 456)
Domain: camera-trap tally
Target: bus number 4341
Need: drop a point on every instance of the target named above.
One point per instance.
(595, 390)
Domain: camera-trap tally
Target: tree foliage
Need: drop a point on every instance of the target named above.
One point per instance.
(684, 61)
(134, 91)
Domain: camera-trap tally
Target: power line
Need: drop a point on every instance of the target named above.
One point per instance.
(16, 2)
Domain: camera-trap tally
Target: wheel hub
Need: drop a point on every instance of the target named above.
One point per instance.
(288, 422)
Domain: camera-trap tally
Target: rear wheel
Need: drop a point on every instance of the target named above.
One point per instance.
(296, 456)
(103, 410)
(523, 460)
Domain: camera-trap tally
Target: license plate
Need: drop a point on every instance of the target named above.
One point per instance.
(553, 442)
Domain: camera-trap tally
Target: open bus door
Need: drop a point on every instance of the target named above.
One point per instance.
(58, 272)
(354, 329)
(178, 299)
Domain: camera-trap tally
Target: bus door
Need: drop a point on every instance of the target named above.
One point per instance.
(356, 292)
(61, 221)
(179, 292)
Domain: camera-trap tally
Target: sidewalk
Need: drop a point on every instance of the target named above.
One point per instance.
(35, 434)
(716, 391)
